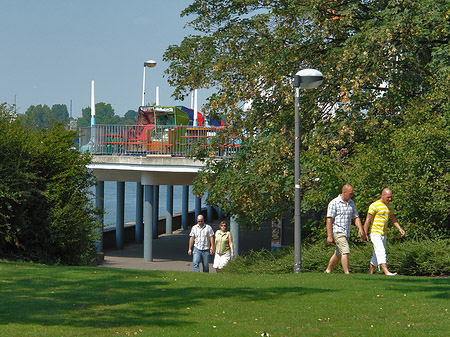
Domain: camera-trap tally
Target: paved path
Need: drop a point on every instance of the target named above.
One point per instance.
(169, 253)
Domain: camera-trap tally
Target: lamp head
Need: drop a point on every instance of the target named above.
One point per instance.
(150, 63)
(308, 79)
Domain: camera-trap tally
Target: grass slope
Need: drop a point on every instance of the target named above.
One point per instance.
(41, 300)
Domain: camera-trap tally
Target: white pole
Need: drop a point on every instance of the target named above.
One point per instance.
(157, 95)
(192, 100)
(92, 103)
(143, 88)
(92, 141)
(195, 107)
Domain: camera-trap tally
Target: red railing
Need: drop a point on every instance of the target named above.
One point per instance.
(152, 140)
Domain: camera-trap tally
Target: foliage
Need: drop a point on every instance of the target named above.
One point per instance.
(130, 118)
(43, 117)
(104, 114)
(413, 258)
(382, 118)
(45, 209)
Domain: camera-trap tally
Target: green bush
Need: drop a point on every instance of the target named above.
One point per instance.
(46, 214)
(415, 258)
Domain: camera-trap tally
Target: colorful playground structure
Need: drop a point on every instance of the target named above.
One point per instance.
(159, 130)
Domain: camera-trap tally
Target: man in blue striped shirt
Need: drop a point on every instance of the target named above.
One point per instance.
(341, 211)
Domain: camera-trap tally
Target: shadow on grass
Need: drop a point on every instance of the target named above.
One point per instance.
(435, 287)
(100, 298)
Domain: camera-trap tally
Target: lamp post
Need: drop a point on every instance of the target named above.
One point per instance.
(150, 64)
(306, 79)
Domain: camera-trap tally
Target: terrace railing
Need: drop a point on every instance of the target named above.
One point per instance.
(142, 140)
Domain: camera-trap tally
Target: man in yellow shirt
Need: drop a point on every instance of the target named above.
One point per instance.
(378, 215)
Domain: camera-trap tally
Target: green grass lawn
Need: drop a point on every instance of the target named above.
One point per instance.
(41, 300)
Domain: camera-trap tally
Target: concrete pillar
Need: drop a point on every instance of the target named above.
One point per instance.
(234, 230)
(148, 223)
(155, 211)
(120, 205)
(139, 229)
(100, 203)
(198, 206)
(169, 209)
(209, 213)
(184, 207)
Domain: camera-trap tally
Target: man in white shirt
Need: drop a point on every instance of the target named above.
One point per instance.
(341, 211)
(202, 238)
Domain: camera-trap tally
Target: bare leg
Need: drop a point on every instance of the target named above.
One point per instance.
(345, 263)
(217, 270)
(386, 271)
(333, 262)
(371, 268)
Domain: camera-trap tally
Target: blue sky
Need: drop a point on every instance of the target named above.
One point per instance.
(50, 50)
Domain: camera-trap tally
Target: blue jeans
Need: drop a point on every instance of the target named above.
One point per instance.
(201, 255)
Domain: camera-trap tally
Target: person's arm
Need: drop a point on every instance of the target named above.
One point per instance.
(362, 234)
(367, 223)
(369, 219)
(212, 242)
(329, 231)
(396, 224)
(191, 243)
(230, 242)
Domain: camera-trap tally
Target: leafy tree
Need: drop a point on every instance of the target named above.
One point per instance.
(46, 214)
(104, 114)
(381, 61)
(42, 117)
(130, 118)
(37, 116)
(59, 113)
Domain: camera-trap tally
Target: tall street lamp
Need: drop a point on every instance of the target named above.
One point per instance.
(306, 79)
(149, 64)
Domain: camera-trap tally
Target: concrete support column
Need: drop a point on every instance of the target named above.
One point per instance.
(198, 206)
(169, 209)
(234, 230)
(100, 203)
(139, 229)
(209, 213)
(148, 223)
(184, 206)
(155, 211)
(120, 205)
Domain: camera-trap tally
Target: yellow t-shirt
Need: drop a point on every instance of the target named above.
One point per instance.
(381, 213)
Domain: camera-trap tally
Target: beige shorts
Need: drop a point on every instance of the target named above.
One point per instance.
(341, 244)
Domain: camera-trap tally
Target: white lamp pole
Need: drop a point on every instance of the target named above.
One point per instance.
(150, 64)
(92, 103)
(195, 108)
(307, 79)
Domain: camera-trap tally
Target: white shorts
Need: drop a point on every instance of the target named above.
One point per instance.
(220, 260)
(379, 250)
